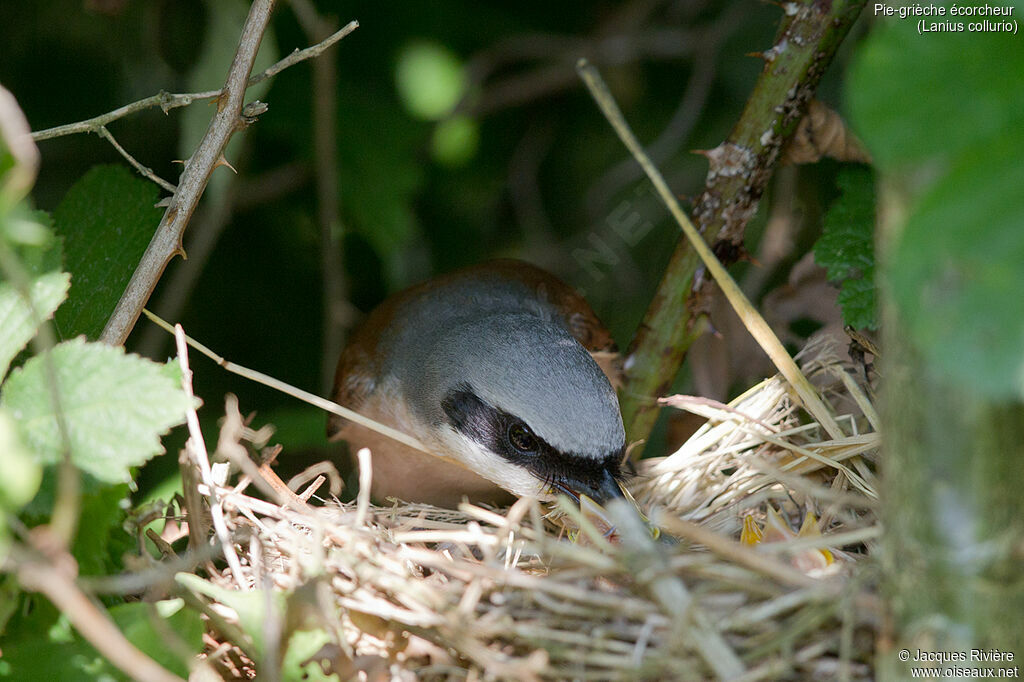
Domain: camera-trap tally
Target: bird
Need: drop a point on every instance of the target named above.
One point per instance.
(501, 371)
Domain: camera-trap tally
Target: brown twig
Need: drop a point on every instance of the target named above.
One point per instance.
(752, 320)
(167, 101)
(59, 587)
(167, 239)
(226, 122)
(739, 172)
(143, 170)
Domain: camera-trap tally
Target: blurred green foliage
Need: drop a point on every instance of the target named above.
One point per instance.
(954, 175)
(430, 80)
(60, 653)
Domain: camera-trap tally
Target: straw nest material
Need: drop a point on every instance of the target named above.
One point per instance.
(412, 592)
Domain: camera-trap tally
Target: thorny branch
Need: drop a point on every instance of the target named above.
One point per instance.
(167, 101)
(740, 169)
(143, 170)
(167, 240)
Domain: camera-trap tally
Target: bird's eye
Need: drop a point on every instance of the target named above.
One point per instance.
(522, 439)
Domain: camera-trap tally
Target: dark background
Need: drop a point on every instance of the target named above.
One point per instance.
(548, 181)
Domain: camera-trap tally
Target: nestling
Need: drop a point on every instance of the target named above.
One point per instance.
(490, 368)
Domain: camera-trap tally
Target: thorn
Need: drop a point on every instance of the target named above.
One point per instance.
(221, 161)
(759, 55)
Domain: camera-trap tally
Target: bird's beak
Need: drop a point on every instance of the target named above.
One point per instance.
(597, 513)
(594, 496)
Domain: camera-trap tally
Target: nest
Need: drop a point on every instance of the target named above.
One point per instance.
(411, 592)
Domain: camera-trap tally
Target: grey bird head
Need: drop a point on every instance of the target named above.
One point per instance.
(519, 401)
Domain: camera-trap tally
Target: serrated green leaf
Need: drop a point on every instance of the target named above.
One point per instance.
(846, 248)
(18, 321)
(858, 299)
(106, 221)
(115, 406)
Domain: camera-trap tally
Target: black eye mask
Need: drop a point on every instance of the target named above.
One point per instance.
(511, 438)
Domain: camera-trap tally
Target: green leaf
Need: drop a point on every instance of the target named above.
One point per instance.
(916, 99)
(859, 302)
(302, 660)
(958, 279)
(846, 247)
(152, 627)
(106, 220)
(954, 194)
(101, 539)
(251, 607)
(115, 406)
(29, 235)
(18, 321)
(10, 598)
(305, 641)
